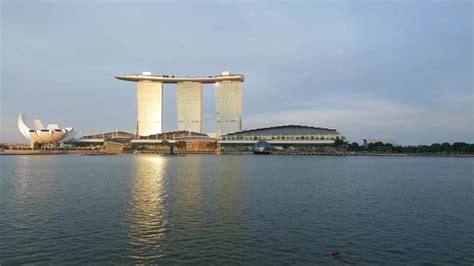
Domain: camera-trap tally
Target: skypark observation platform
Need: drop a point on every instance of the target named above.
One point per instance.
(174, 80)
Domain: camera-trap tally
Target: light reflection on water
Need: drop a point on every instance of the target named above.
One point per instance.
(34, 198)
(206, 209)
(188, 205)
(26, 170)
(147, 211)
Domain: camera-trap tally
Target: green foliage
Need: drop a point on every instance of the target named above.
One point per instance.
(339, 142)
(435, 148)
(380, 147)
(354, 146)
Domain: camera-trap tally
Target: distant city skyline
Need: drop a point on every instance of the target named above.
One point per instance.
(375, 70)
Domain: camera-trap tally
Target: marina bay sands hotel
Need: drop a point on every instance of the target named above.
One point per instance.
(228, 93)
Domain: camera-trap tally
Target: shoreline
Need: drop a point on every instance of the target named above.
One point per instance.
(79, 152)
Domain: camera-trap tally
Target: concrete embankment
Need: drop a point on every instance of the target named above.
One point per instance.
(28, 152)
(47, 152)
(299, 153)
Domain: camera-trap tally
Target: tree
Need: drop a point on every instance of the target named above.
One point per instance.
(446, 147)
(388, 147)
(354, 146)
(435, 147)
(377, 146)
(459, 146)
(339, 142)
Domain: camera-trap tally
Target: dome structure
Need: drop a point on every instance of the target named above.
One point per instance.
(44, 135)
(262, 147)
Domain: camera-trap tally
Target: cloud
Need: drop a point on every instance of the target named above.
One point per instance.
(336, 53)
(295, 59)
(359, 118)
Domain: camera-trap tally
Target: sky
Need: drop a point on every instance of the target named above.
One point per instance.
(400, 70)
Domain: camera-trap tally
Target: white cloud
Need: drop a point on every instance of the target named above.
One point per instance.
(336, 53)
(368, 118)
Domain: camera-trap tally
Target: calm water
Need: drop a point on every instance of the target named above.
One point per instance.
(236, 209)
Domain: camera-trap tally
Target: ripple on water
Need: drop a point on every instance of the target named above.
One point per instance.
(235, 210)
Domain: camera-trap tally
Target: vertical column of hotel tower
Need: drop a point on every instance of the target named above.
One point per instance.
(150, 107)
(189, 102)
(228, 106)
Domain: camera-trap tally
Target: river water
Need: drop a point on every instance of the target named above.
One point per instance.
(239, 209)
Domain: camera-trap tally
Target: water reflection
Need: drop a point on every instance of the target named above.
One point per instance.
(206, 210)
(147, 211)
(188, 191)
(192, 203)
(28, 189)
(230, 228)
(222, 210)
(27, 212)
(35, 196)
(228, 189)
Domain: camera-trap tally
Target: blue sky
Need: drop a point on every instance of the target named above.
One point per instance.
(371, 69)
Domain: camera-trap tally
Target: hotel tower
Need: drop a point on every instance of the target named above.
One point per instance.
(228, 96)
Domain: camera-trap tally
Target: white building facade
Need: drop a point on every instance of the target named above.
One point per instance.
(228, 106)
(228, 93)
(189, 103)
(44, 135)
(150, 107)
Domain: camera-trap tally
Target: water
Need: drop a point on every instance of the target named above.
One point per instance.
(235, 209)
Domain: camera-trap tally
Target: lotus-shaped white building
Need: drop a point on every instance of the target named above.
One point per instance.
(45, 135)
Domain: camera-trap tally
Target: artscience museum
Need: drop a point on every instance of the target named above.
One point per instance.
(49, 135)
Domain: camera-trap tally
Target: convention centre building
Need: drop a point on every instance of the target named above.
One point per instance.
(283, 135)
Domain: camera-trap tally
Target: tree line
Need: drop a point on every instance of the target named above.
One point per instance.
(444, 148)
